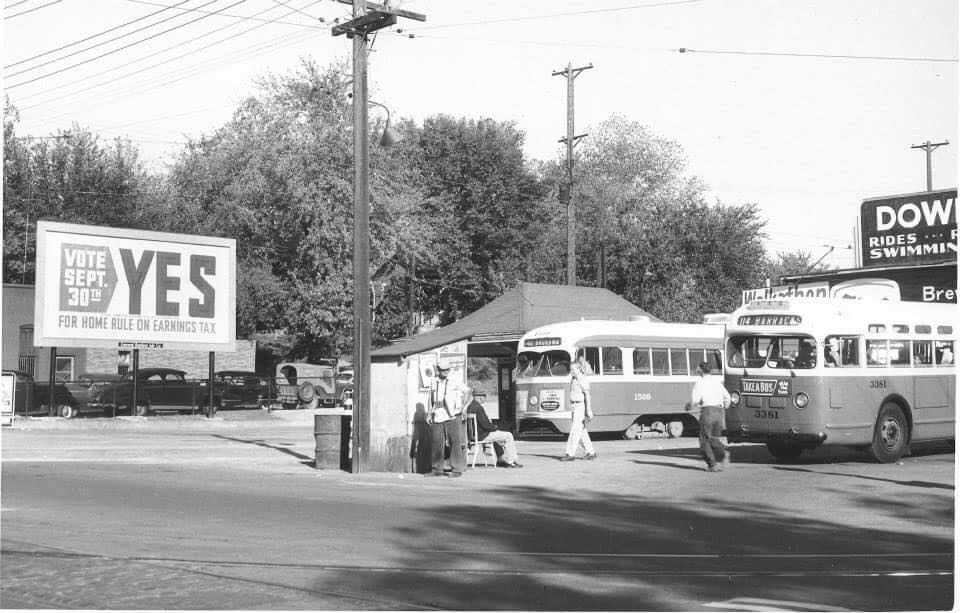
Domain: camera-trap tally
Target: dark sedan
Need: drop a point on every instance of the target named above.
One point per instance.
(243, 389)
(159, 390)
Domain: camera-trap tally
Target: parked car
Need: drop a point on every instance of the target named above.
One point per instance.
(242, 389)
(344, 386)
(159, 390)
(305, 385)
(83, 392)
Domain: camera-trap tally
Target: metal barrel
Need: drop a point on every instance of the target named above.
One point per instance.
(332, 436)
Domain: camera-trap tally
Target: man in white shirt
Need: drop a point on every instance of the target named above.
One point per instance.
(446, 419)
(712, 399)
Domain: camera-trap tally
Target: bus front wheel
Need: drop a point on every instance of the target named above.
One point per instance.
(890, 435)
(784, 451)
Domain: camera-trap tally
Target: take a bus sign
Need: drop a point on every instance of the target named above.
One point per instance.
(765, 387)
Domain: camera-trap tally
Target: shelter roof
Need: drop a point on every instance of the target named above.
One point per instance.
(523, 308)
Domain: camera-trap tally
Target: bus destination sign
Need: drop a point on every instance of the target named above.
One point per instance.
(765, 387)
(768, 320)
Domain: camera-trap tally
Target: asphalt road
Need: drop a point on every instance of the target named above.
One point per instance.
(229, 513)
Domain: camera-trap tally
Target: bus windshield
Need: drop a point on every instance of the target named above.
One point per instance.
(548, 364)
(788, 352)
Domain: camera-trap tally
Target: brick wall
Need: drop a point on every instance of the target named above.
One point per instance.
(195, 363)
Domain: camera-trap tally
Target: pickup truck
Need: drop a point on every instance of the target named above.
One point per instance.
(304, 385)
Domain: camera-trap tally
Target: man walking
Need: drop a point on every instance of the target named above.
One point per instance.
(581, 409)
(447, 425)
(712, 399)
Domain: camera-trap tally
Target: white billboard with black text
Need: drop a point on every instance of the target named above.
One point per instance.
(115, 287)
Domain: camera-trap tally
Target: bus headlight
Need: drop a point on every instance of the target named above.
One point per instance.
(801, 400)
(533, 400)
(734, 398)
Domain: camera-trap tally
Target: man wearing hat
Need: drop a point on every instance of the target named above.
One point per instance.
(447, 423)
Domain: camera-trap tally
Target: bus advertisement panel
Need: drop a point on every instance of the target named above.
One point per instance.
(864, 373)
(113, 287)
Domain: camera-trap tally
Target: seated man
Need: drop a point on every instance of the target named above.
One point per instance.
(487, 433)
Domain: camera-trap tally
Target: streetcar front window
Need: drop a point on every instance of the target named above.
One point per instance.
(547, 364)
(779, 352)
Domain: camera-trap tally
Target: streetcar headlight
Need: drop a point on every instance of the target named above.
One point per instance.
(801, 400)
(533, 400)
(734, 398)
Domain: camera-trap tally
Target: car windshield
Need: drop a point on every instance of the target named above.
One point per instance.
(786, 352)
(547, 364)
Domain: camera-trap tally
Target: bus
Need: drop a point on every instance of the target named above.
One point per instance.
(875, 375)
(643, 373)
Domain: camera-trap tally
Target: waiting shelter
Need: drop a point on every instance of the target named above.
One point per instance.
(486, 340)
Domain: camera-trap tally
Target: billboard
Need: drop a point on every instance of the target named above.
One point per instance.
(115, 287)
(910, 229)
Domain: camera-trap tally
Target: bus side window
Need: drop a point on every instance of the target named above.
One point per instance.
(612, 361)
(641, 361)
(876, 353)
(678, 362)
(944, 351)
(898, 353)
(660, 361)
(922, 353)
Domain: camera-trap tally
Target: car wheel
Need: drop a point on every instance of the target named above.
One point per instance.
(890, 435)
(66, 411)
(306, 392)
(784, 451)
(675, 429)
(632, 432)
(142, 409)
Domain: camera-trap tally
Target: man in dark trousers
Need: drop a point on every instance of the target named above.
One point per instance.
(487, 433)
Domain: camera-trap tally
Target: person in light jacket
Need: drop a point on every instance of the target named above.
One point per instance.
(447, 423)
(711, 398)
(581, 409)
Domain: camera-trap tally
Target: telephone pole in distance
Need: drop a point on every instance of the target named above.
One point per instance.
(929, 148)
(567, 194)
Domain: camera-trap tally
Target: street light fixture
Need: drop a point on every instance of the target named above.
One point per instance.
(390, 136)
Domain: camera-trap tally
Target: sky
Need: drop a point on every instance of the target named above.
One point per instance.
(802, 107)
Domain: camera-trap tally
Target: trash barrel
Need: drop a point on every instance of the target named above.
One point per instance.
(332, 434)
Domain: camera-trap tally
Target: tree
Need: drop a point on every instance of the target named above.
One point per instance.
(662, 245)
(70, 177)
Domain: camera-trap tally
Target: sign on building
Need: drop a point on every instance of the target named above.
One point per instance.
(910, 229)
(807, 290)
(114, 287)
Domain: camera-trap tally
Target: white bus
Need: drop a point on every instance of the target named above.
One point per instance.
(643, 372)
(876, 375)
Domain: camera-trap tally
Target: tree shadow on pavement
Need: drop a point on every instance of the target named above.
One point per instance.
(534, 548)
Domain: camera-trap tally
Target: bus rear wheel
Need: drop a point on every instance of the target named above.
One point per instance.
(784, 451)
(890, 435)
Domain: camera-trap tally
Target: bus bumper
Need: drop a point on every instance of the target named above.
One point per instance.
(743, 434)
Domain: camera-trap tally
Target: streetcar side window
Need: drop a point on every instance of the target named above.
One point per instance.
(612, 361)
(660, 361)
(641, 361)
(678, 362)
(593, 358)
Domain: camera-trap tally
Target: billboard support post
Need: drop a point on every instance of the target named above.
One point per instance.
(52, 378)
(210, 407)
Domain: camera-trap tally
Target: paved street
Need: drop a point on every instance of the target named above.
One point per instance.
(229, 513)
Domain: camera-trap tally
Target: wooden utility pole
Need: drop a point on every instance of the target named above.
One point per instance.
(929, 148)
(570, 140)
(367, 17)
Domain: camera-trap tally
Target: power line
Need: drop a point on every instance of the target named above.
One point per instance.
(286, 23)
(86, 79)
(817, 55)
(10, 6)
(484, 22)
(125, 46)
(83, 40)
(42, 6)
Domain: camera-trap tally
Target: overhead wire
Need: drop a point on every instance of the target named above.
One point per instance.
(289, 23)
(43, 6)
(91, 37)
(87, 61)
(10, 6)
(831, 56)
(59, 89)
